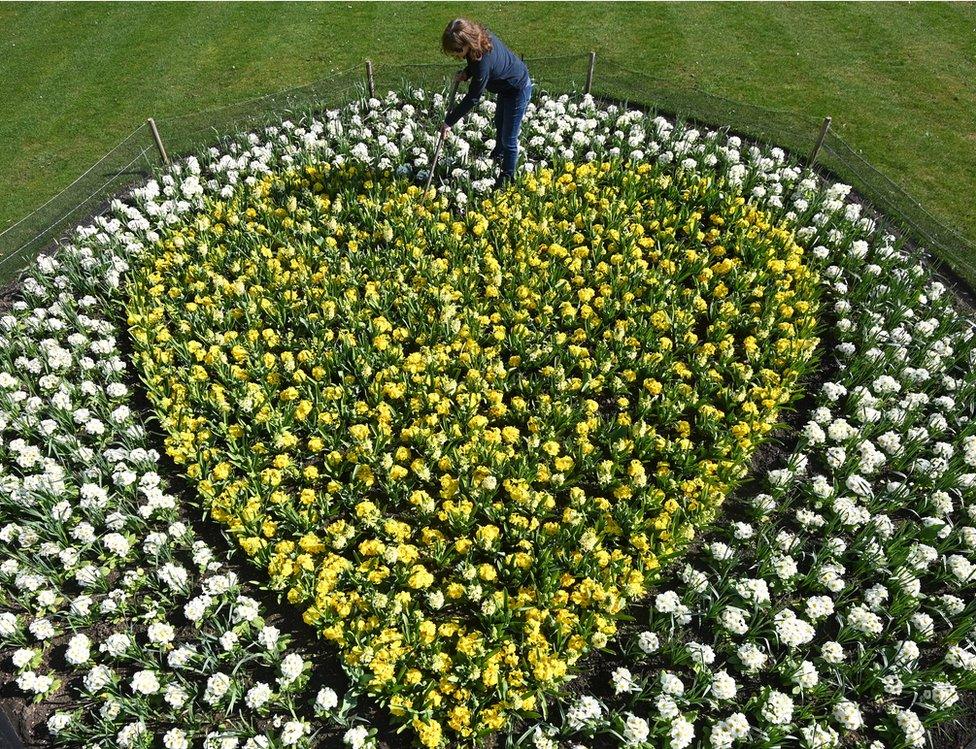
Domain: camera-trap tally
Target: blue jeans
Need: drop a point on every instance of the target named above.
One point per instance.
(508, 121)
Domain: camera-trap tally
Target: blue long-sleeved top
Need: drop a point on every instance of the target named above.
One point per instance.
(499, 71)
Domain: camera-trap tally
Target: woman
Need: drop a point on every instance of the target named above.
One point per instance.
(493, 67)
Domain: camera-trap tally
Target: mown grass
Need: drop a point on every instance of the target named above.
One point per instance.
(899, 80)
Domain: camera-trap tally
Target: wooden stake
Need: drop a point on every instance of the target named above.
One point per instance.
(369, 79)
(159, 141)
(589, 73)
(820, 141)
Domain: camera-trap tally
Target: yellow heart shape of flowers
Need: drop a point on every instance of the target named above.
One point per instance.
(464, 441)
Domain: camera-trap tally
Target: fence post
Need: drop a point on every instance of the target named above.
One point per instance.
(820, 141)
(371, 84)
(159, 141)
(589, 73)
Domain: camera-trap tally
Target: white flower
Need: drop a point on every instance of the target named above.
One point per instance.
(648, 642)
(778, 708)
(892, 684)
(636, 730)
(961, 568)
(79, 649)
(957, 657)
(23, 656)
(217, 686)
(585, 711)
(34, 683)
(701, 654)
(228, 640)
(733, 619)
(753, 659)
(671, 684)
(116, 644)
(144, 682)
(818, 736)
(326, 700)
(160, 633)
(196, 607)
(847, 715)
(293, 732)
(726, 732)
(258, 695)
(832, 652)
(175, 695)
(99, 677)
(793, 632)
(180, 657)
(666, 706)
(910, 726)
(865, 621)
(752, 590)
(175, 738)
(682, 732)
(268, 636)
(623, 681)
(667, 602)
(806, 676)
(784, 567)
(859, 485)
(356, 737)
(292, 667)
(8, 624)
(58, 722)
(42, 629)
(819, 607)
(941, 695)
(724, 686)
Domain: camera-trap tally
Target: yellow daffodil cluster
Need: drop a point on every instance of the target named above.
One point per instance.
(463, 442)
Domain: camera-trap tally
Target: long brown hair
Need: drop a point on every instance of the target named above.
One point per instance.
(468, 37)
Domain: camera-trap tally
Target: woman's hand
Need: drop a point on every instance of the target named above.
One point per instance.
(461, 75)
(445, 129)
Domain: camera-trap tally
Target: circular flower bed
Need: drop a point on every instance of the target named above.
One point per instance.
(464, 431)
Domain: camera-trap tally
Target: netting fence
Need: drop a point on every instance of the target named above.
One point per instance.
(136, 156)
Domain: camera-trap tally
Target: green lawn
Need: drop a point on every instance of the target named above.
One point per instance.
(898, 79)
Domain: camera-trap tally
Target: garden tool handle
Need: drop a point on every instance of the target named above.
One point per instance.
(440, 138)
(433, 161)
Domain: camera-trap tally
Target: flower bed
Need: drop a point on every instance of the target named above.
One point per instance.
(407, 420)
(833, 603)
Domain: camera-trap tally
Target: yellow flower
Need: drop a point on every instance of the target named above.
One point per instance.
(428, 630)
(221, 471)
(564, 463)
(428, 731)
(367, 511)
(419, 577)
